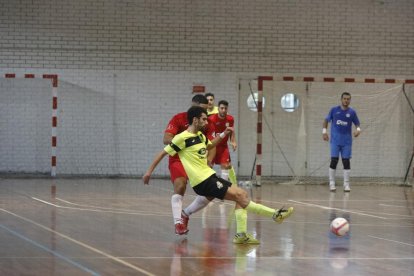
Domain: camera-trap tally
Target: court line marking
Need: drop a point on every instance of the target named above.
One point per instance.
(387, 205)
(337, 209)
(55, 253)
(97, 210)
(106, 208)
(116, 259)
(97, 207)
(396, 215)
(194, 216)
(113, 212)
(384, 239)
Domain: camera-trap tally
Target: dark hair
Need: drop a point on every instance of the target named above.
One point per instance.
(209, 95)
(195, 112)
(223, 102)
(199, 99)
(345, 94)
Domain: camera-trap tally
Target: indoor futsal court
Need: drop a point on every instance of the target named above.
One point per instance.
(121, 227)
(311, 104)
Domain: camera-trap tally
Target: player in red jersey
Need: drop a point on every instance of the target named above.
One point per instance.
(179, 178)
(218, 123)
(211, 108)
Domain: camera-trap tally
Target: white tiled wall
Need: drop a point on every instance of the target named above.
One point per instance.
(125, 67)
(108, 123)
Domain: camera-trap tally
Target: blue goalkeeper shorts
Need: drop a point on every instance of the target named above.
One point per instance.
(345, 151)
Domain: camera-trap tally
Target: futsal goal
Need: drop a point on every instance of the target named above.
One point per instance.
(293, 150)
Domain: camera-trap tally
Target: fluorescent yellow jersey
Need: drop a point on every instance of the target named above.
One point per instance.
(192, 150)
(214, 111)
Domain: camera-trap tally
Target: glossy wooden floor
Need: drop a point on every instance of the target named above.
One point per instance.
(121, 227)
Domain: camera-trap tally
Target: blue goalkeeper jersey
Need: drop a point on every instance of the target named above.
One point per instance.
(341, 125)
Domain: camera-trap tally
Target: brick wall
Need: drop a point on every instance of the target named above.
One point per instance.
(361, 37)
(125, 67)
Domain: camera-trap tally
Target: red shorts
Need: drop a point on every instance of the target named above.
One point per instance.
(222, 155)
(176, 169)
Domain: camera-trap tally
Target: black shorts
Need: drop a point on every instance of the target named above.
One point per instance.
(213, 186)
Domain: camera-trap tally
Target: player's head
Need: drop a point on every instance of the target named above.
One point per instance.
(210, 98)
(197, 117)
(199, 100)
(345, 99)
(223, 106)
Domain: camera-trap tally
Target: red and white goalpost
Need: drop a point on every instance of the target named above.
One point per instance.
(299, 141)
(54, 86)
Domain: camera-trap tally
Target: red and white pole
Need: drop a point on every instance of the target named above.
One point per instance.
(53, 162)
(54, 79)
(260, 128)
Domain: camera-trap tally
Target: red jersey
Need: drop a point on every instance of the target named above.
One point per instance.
(217, 125)
(176, 125)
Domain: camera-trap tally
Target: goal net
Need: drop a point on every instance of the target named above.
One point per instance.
(293, 148)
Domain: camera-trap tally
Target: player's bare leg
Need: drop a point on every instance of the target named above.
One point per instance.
(241, 237)
(240, 196)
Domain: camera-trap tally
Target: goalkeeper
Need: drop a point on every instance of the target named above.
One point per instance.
(341, 117)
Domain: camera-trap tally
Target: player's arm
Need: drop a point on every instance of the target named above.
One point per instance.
(210, 134)
(171, 130)
(167, 138)
(357, 132)
(219, 137)
(233, 140)
(153, 165)
(325, 135)
(355, 120)
(210, 156)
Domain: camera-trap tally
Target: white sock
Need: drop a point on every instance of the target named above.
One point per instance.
(332, 173)
(176, 206)
(225, 174)
(346, 177)
(198, 203)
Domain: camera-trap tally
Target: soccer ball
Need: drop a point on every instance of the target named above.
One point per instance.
(340, 227)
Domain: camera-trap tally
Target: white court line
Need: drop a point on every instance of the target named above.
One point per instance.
(98, 210)
(387, 205)
(116, 259)
(92, 206)
(51, 251)
(138, 213)
(409, 244)
(395, 215)
(337, 209)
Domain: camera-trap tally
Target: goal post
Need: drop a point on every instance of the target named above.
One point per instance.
(28, 118)
(293, 150)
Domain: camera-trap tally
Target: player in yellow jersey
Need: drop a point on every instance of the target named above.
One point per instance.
(191, 145)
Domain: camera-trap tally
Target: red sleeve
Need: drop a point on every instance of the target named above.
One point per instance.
(210, 130)
(173, 126)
